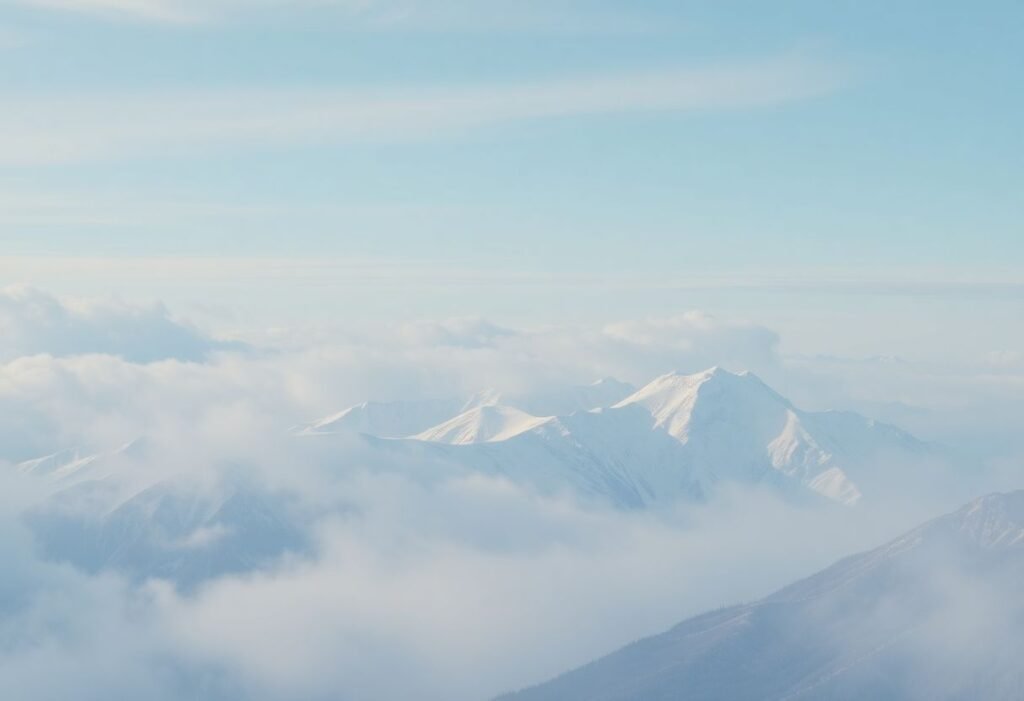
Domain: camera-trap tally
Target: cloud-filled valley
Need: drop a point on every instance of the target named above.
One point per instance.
(221, 524)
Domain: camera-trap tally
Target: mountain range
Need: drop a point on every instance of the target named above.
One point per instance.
(678, 437)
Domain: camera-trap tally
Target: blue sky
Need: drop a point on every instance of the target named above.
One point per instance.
(869, 150)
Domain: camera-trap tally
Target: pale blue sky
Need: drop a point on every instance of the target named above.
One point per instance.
(869, 150)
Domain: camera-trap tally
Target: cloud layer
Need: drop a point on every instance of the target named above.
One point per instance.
(35, 322)
(469, 585)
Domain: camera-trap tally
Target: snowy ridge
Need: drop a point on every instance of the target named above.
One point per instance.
(992, 522)
(613, 455)
(559, 401)
(383, 419)
(678, 438)
(483, 424)
(57, 465)
(406, 418)
(995, 521)
(73, 464)
(894, 623)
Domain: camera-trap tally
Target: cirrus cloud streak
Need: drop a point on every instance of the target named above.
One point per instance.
(39, 129)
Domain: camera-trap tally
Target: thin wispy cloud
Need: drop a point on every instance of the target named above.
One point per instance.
(375, 15)
(345, 272)
(200, 12)
(163, 11)
(65, 129)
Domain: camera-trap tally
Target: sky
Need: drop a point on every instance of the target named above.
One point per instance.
(222, 220)
(845, 173)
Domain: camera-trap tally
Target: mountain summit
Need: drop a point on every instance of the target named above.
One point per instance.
(482, 424)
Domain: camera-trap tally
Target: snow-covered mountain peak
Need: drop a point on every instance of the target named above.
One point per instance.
(677, 400)
(483, 424)
(612, 384)
(994, 521)
(670, 399)
(677, 384)
(741, 429)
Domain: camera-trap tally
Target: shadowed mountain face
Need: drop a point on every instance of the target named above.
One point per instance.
(171, 530)
(935, 614)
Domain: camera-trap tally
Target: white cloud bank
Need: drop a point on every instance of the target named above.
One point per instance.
(469, 588)
(35, 322)
(453, 588)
